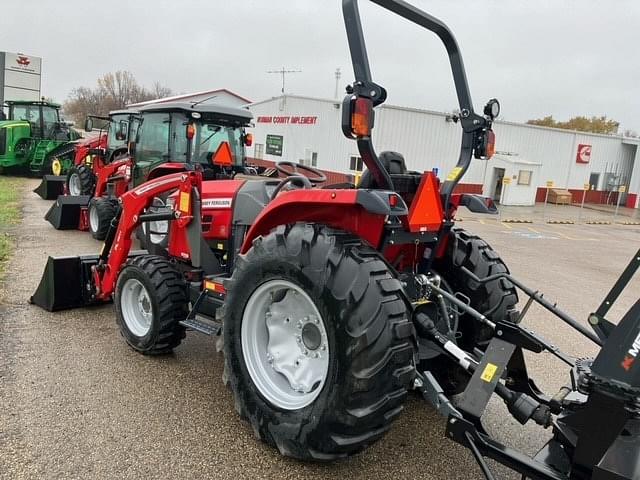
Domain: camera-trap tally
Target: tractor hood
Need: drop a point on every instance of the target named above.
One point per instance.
(13, 123)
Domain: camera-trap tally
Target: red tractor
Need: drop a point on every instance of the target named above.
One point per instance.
(334, 303)
(165, 138)
(95, 162)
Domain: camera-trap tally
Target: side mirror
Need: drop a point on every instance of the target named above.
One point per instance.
(88, 124)
(248, 139)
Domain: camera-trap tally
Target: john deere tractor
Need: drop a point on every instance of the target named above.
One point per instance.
(34, 138)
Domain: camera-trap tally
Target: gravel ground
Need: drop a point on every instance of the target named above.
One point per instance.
(76, 402)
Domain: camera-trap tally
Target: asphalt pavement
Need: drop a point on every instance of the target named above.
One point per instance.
(77, 402)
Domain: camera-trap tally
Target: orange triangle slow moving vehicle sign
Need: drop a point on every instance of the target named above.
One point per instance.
(223, 155)
(425, 213)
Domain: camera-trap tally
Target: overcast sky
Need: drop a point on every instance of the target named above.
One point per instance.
(555, 57)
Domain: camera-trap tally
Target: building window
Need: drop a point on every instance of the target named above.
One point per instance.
(524, 177)
(314, 159)
(594, 180)
(259, 150)
(355, 164)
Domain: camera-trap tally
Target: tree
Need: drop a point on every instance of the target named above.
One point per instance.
(582, 124)
(114, 91)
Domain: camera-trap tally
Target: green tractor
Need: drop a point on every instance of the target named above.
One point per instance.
(34, 138)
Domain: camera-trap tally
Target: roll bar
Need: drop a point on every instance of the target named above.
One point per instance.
(365, 87)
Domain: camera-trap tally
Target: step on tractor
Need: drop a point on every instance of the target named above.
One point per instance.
(33, 138)
(165, 138)
(331, 304)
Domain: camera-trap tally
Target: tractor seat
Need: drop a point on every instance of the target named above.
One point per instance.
(393, 163)
(404, 181)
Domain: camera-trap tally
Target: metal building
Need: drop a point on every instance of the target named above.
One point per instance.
(307, 130)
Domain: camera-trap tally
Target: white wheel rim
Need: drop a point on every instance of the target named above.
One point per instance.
(94, 221)
(284, 344)
(74, 185)
(136, 308)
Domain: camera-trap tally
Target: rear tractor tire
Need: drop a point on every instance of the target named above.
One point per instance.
(150, 301)
(101, 213)
(496, 300)
(318, 345)
(80, 181)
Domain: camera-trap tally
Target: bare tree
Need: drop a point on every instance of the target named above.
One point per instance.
(113, 91)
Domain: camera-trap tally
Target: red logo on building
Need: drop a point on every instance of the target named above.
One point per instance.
(22, 60)
(584, 153)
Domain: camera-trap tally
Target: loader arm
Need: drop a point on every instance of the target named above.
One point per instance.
(117, 245)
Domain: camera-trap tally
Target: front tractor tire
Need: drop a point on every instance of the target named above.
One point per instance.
(80, 181)
(101, 212)
(318, 345)
(150, 301)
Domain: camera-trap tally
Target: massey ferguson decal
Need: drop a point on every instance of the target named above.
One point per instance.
(584, 153)
(217, 203)
(632, 354)
(22, 60)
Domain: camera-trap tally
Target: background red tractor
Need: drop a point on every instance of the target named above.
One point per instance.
(164, 138)
(335, 302)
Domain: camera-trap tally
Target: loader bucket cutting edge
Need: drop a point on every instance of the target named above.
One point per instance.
(51, 186)
(65, 213)
(64, 283)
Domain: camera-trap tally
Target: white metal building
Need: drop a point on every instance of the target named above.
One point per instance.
(307, 130)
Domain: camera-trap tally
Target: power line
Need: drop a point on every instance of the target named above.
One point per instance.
(283, 71)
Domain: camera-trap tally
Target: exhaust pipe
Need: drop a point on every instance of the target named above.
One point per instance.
(66, 212)
(51, 186)
(66, 283)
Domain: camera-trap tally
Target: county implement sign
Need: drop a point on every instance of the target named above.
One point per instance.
(288, 120)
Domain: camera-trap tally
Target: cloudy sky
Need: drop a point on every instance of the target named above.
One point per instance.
(555, 57)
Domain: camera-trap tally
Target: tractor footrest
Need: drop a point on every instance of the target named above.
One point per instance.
(208, 328)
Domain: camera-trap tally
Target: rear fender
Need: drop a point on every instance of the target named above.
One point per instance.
(360, 212)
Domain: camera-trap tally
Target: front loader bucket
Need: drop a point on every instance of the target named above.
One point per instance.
(65, 283)
(65, 213)
(51, 186)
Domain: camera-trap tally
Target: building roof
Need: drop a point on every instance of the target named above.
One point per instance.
(200, 108)
(186, 96)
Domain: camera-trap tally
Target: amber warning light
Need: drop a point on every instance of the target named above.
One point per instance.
(361, 117)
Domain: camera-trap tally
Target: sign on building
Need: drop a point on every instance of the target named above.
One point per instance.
(274, 145)
(20, 76)
(584, 153)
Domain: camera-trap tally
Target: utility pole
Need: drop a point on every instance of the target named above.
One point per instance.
(338, 75)
(283, 71)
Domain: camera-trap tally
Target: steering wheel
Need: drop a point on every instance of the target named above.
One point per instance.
(299, 181)
(294, 168)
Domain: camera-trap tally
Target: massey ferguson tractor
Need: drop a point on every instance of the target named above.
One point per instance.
(34, 138)
(332, 303)
(90, 170)
(166, 138)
